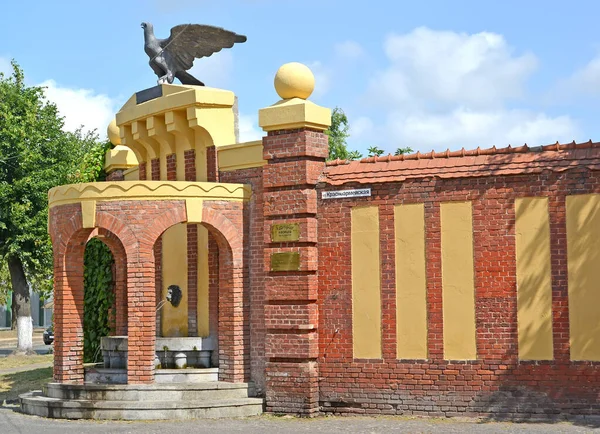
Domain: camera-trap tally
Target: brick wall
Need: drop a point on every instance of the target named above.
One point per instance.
(254, 275)
(497, 383)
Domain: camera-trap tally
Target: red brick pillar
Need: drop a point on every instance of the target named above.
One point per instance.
(295, 159)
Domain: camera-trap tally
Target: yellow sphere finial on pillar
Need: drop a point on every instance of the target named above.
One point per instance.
(294, 80)
(113, 133)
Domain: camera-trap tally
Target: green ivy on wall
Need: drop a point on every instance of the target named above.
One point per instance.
(99, 292)
(99, 297)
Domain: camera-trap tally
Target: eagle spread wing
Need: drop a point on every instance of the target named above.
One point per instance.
(189, 41)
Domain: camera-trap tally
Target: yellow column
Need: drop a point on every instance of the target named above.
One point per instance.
(411, 285)
(366, 284)
(534, 279)
(583, 262)
(174, 272)
(458, 288)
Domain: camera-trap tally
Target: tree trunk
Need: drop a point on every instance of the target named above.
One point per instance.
(13, 315)
(21, 306)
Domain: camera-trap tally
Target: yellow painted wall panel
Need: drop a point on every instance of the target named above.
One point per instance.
(174, 272)
(458, 287)
(583, 249)
(203, 314)
(534, 279)
(366, 283)
(411, 283)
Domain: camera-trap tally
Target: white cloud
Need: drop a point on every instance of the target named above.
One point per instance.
(444, 89)
(249, 130)
(583, 82)
(81, 107)
(350, 50)
(469, 128)
(214, 71)
(322, 78)
(451, 68)
(361, 127)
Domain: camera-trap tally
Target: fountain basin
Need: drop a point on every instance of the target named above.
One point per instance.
(197, 351)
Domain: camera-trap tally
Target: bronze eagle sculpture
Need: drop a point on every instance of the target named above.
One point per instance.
(170, 58)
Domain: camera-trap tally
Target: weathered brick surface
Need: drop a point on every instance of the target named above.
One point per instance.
(254, 296)
(189, 158)
(172, 167)
(155, 169)
(297, 144)
(142, 167)
(295, 160)
(212, 172)
(292, 173)
(287, 381)
(290, 202)
(497, 383)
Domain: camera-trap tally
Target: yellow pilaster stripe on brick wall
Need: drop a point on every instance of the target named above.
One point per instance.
(534, 279)
(411, 284)
(458, 288)
(583, 249)
(174, 272)
(366, 283)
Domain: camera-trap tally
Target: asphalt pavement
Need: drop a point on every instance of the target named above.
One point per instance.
(12, 422)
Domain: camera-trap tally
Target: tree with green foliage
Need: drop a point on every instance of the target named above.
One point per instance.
(338, 133)
(374, 151)
(403, 151)
(36, 154)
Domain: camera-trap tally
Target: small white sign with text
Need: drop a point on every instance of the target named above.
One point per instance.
(342, 194)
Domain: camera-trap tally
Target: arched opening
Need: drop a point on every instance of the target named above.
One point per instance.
(99, 314)
(208, 317)
(105, 292)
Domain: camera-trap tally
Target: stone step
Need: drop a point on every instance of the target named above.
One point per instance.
(119, 376)
(211, 391)
(186, 375)
(35, 403)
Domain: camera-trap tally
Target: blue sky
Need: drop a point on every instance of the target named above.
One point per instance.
(427, 74)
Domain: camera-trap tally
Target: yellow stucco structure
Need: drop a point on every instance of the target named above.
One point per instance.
(167, 120)
(411, 283)
(458, 285)
(366, 283)
(294, 83)
(534, 279)
(583, 249)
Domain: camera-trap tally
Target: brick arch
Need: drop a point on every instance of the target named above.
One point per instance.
(167, 218)
(112, 241)
(233, 353)
(115, 228)
(224, 231)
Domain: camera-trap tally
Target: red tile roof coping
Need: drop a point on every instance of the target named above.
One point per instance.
(464, 164)
(472, 152)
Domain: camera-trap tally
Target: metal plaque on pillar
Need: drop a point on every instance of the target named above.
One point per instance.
(285, 261)
(282, 232)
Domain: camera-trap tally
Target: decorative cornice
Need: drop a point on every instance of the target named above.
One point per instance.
(147, 190)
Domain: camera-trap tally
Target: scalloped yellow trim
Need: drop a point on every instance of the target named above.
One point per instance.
(147, 190)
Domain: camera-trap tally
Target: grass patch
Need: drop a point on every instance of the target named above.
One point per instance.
(12, 385)
(18, 361)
